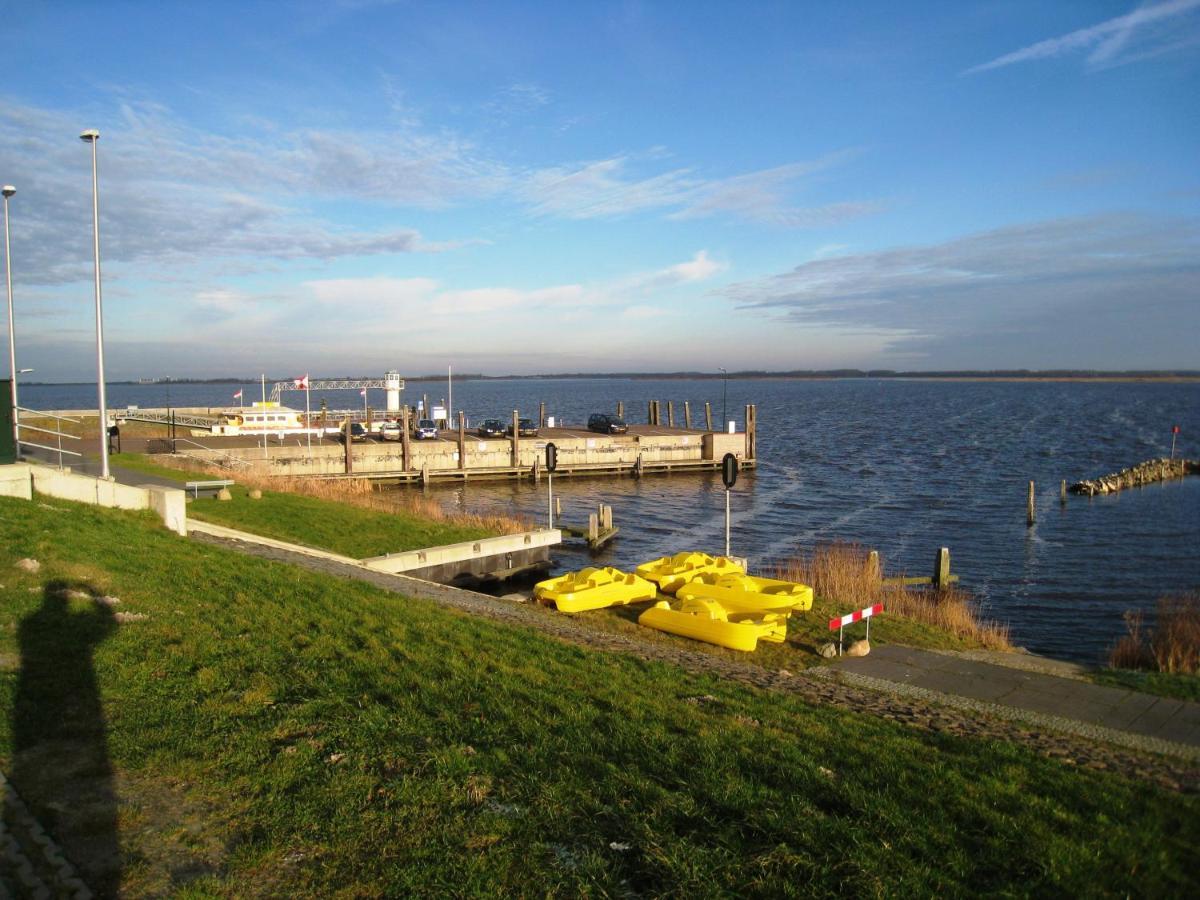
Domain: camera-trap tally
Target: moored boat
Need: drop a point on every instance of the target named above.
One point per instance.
(708, 621)
(593, 588)
(672, 572)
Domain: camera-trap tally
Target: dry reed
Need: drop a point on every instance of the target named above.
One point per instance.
(361, 493)
(1173, 645)
(844, 573)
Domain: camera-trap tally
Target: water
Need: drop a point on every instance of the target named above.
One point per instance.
(901, 466)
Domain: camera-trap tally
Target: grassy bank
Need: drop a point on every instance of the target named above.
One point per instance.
(268, 731)
(330, 522)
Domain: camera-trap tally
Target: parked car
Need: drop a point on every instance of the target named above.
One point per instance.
(491, 428)
(425, 429)
(606, 424)
(390, 430)
(525, 428)
(358, 434)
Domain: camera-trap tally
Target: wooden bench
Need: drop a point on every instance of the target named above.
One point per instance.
(197, 486)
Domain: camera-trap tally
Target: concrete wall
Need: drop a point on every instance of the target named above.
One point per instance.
(490, 550)
(16, 481)
(169, 503)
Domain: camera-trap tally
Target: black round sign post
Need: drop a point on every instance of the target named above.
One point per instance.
(729, 473)
(551, 465)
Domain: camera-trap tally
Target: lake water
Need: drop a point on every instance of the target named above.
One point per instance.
(901, 466)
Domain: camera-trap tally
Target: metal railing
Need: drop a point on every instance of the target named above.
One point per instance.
(37, 413)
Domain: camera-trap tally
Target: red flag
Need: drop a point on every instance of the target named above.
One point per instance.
(301, 383)
(237, 396)
(1174, 429)
(363, 392)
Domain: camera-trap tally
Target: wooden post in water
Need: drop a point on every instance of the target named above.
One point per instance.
(537, 470)
(516, 438)
(425, 414)
(593, 528)
(370, 418)
(1062, 492)
(405, 438)
(1030, 508)
(751, 431)
(542, 414)
(707, 416)
(347, 443)
(671, 413)
(687, 415)
(941, 569)
(558, 507)
(462, 439)
(620, 409)
(650, 413)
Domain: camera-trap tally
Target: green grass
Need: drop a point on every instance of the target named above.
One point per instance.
(139, 462)
(1165, 684)
(275, 732)
(324, 524)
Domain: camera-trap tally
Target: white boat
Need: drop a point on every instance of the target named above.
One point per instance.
(260, 418)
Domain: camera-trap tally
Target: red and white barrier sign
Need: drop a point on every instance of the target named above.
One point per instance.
(851, 618)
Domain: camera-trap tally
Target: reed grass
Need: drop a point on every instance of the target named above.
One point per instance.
(843, 572)
(1172, 645)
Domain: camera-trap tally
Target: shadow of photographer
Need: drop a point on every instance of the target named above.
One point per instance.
(60, 767)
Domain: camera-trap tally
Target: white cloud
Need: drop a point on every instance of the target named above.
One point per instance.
(1146, 31)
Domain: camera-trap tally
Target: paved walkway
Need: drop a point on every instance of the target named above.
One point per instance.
(1015, 686)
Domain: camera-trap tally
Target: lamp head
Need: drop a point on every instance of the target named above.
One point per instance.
(8, 190)
(90, 135)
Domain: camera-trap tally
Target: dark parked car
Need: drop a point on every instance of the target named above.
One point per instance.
(525, 427)
(425, 429)
(491, 428)
(358, 434)
(606, 424)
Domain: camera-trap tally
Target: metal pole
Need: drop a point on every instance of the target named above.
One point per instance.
(449, 393)
(92, 137)
(550, 496)
(10, 327)
(727, 521)
(724, 399)
(308, 413)
(9, 190)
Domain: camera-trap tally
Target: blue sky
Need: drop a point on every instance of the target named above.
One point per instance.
(347, 187)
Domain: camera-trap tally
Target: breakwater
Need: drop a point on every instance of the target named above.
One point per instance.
(1148, 472)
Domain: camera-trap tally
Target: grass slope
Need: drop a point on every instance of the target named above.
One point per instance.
(274, 732)
(327, 525)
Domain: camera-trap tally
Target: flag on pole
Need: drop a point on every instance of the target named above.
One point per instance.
(301, 383)
(363, 392)
(1174, 429)
(237, 396)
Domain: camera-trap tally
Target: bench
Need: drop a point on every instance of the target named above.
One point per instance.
(197, 486)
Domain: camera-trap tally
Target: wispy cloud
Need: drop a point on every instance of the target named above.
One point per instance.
(1147, 31)
(1042, 282)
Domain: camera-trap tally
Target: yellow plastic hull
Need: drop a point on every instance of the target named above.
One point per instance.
(593, 588)
(672, 572)
(706, 620)
(747, 593)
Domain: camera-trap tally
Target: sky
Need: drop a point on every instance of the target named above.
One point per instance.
(344, 187)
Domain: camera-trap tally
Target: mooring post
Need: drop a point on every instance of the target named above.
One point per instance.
(687, 415)
(370, 417)
(637, 467)
(542, 414)
(425, 413)
(558, 507)
(537, 470)
(516, 438)
(347, 443)
(650, 412)
(873, 572)
(606, 517)
(462, 439)
(671, 413)
(1062, 492)
(620, 409)
(751, 431)
(941, 569)
(707, 416)
(1030, 508)
(405, 437)
(593, 533)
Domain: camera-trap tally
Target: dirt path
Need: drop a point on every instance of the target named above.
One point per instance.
(825, 686)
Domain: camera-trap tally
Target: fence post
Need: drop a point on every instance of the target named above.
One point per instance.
(941, 569)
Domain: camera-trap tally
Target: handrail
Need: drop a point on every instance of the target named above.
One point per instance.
(73, 437)
(43, 413)
(58, 450)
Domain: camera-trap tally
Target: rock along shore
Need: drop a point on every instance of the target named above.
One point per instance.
(1135, 476)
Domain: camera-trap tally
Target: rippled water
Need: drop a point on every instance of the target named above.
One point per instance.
(901, 466)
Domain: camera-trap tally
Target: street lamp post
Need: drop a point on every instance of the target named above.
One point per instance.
(8, 190)
(91, 136)
(724, 398)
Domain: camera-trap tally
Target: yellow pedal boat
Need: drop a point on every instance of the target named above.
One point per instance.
(593, 588)
(749, 593)
(707, 620)
(671, 572)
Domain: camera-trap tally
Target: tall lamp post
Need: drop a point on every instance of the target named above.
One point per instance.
(724, 397)
(8, 190)
(91, 136)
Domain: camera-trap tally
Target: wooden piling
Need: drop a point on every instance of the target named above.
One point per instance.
(1062, 492)
(537, 470)
(558, 507)
(542, 414)
(370, 418)
(620, 409)
(687, 415)
(516, 438)
(1030, 508)
(346, 445)
(462, 439)
(593, 532)
(707, 416)
(671, 413)
(873, 572)
(425, 407)
(650, 412)
(405, 440)
(751, 431)
(941, 569)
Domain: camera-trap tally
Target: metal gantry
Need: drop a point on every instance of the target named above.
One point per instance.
(323, 384)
